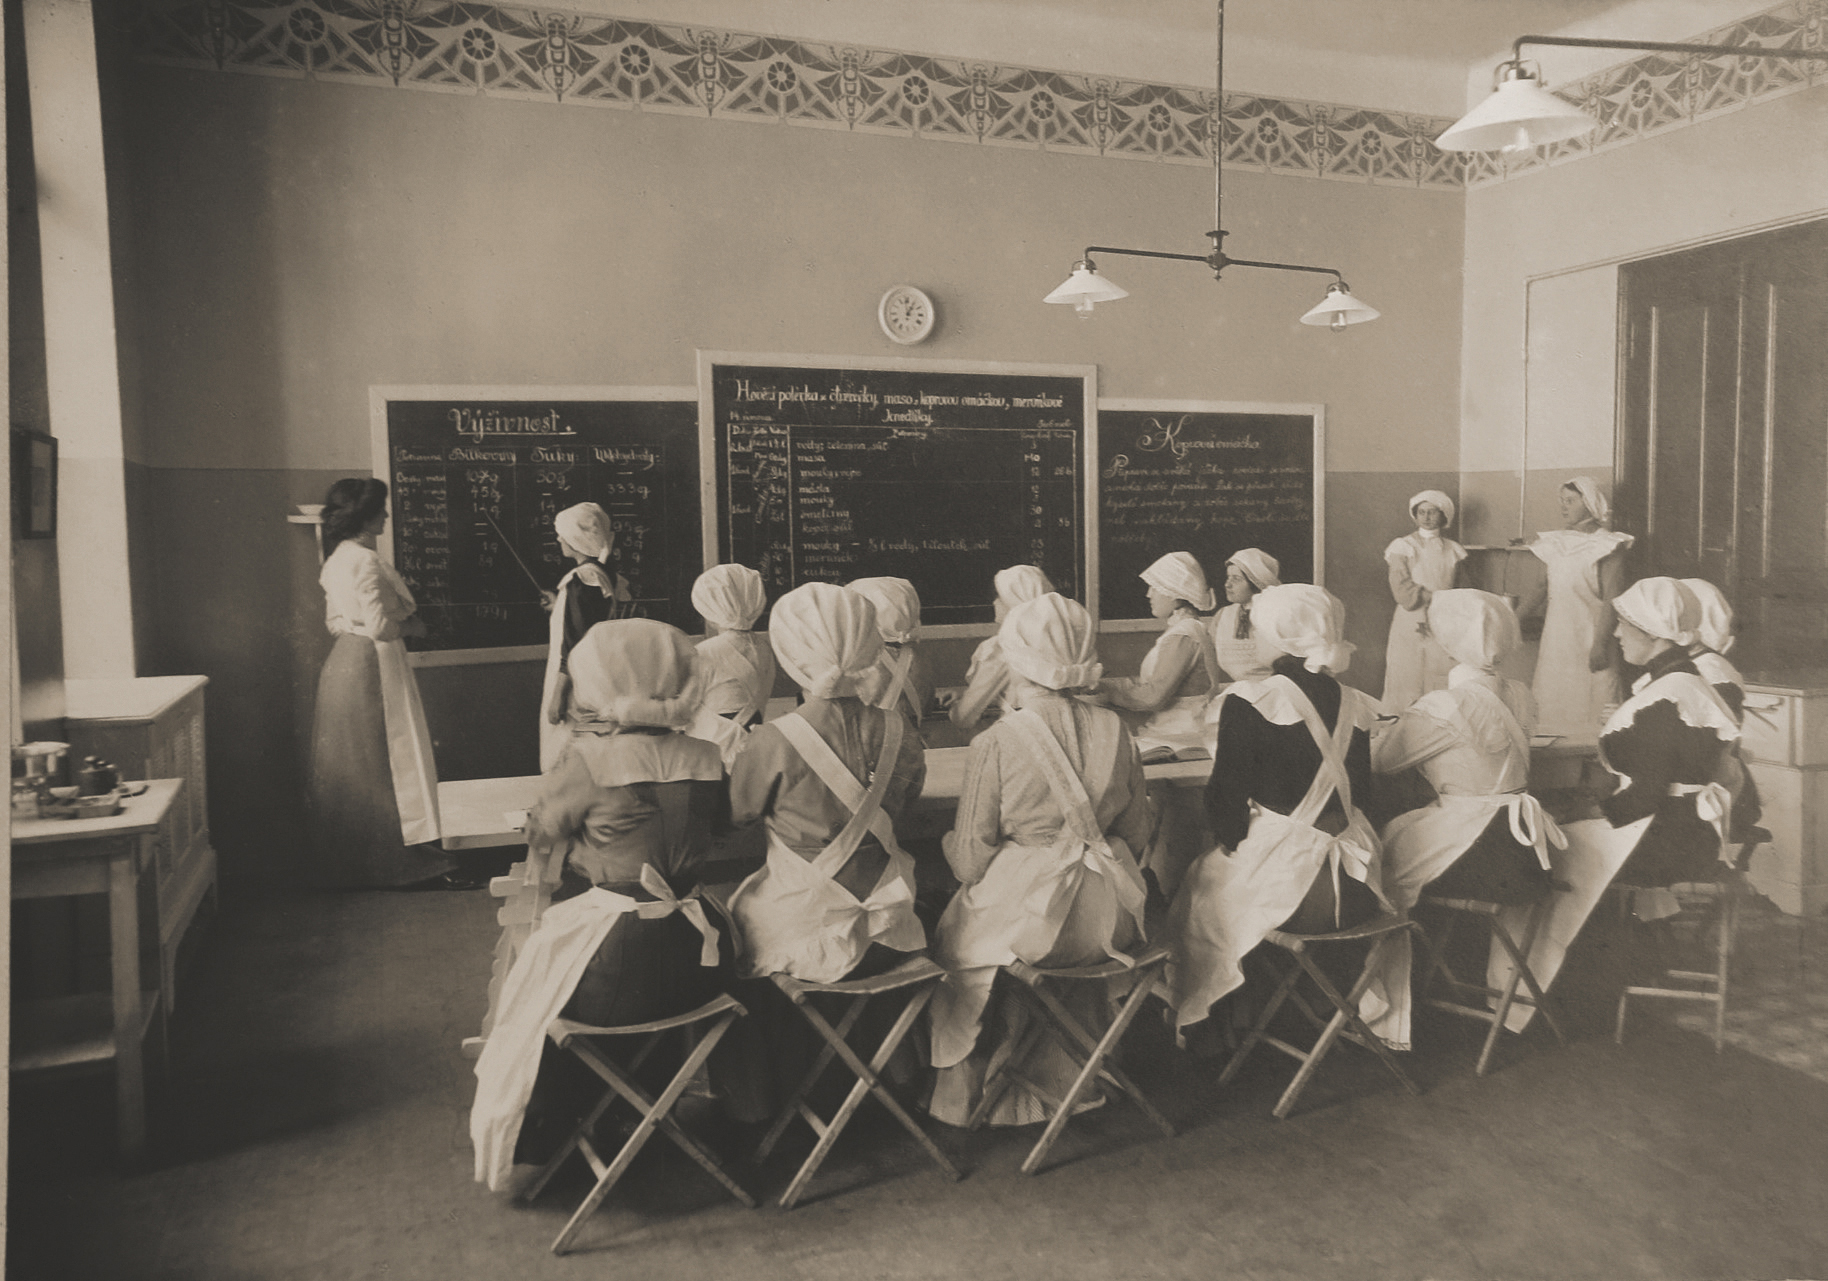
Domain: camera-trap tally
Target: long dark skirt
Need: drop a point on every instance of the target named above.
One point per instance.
(353, 819)
(1496, 868)
(643, 970)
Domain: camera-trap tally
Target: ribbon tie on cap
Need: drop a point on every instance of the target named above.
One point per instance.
(667, 904)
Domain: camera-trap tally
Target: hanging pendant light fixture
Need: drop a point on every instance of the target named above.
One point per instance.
(1086, 287)
(1522, 113)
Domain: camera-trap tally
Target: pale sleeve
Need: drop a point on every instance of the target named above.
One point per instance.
(377, 609)
(1416, 736)
(1163, 673)
(987, 678)
(1409, 594)
(566, 795)
(978, 830)
(1136, 824)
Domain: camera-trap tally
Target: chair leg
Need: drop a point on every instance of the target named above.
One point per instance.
(1520, 973)
(656, 1114)
(1346, 1014)
(999, 1074)
(1541, 998)
(868, 1082)
(1729, 926)
(1096, 1052)
(792, 1107)
(1258, 1029)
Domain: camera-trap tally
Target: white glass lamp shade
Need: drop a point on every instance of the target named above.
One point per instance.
(1519, 115)
(1339, 309)
(1085, 287)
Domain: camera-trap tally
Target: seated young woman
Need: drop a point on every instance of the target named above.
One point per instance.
(1053, 804)
(1294, 852)
(1668, 743)
(1484, 836)
(624, 820)
(906, 684)
(1714, 638)
(735, 670)
(1169, 693)
(987, 676)
(836, 897)
(1246, 573)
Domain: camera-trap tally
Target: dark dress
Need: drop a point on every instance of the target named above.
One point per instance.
(644, 969)
(1658, 748)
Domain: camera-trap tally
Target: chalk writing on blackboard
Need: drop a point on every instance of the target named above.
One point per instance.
(939, 476)
(1206, 482)
(477, 479)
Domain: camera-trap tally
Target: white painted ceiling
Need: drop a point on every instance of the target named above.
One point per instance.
(1428, 56)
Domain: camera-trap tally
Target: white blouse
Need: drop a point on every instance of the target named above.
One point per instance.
(363, 595)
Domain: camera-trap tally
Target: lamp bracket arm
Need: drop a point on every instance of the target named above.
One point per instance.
(1143, 253)
(1284, 266)
(1657, 46)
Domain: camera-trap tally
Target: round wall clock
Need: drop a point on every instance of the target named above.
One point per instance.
(905, 314)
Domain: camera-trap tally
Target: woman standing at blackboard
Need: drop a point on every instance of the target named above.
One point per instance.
(372, 799)
(588, 595)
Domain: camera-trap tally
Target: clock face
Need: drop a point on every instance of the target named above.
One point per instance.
(906, 314)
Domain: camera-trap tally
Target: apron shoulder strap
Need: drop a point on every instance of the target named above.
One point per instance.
(1331, 777)
(1507, 718)
(898, 684)
(865, 806)
(1062, 779)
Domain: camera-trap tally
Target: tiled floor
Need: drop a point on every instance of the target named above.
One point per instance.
(1777, 992)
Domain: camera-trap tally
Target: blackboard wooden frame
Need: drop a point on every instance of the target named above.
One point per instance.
(1087, 375)
(379, 397)
(1241, 408)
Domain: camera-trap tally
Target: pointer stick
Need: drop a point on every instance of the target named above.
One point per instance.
(517, 560)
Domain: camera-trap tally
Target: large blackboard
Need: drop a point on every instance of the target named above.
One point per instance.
(477, 474)
(825, 470)
(1208, 478)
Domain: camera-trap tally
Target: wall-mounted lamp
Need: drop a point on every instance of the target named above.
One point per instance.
(1086, 288)
(1522, 113)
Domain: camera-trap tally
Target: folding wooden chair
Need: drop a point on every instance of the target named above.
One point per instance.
(1054, 1021)
(918, 977)
(581, 1039)
(1345, 1021)
(1725, 896)
(1703, 985)
(1459, 989)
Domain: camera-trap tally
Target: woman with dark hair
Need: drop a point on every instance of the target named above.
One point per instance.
(372, 798)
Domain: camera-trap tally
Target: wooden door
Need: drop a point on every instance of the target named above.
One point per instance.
(1723, 467)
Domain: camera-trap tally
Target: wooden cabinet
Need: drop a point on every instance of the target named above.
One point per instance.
(1786, 747)
(152, 727)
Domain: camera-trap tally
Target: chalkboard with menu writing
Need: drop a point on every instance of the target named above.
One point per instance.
(476, 475)
(1209, 478)
(824, 469)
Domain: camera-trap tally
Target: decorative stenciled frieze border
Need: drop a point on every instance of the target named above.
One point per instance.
(513, 52)
(1660, 92)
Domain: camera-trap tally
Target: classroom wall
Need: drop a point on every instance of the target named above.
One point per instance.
(296, 242)
(1541, 287)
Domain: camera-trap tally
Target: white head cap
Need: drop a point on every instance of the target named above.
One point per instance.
(1436, 497)
(1716, 628)
(1661, 607)
(632, 671)
(729, 597)
(1593, 496)
(1475, 628)
(1180, 576)
(826, 639)
(1050, 641)
(897, 606)
(1260, 567)
(586, 527)
(1021, 582)
(1306, 621)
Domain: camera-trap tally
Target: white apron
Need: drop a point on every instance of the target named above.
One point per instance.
(1018, 909)
(1228, 904)
(1421, 845)
(1570, 699)
(543, 978)
(730, 732)
(794, 917)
